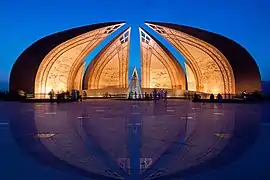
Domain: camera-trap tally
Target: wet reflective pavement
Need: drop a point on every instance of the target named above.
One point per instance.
(110, 139)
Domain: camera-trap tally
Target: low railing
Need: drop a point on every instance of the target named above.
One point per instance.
(207, 96)
(189, 96)
(185, 95)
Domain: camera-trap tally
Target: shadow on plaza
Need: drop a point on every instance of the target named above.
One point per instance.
(134, 140)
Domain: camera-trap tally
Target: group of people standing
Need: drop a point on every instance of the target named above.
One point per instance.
(162, 94)
(61, 95)
(212, 97)
(155, 95)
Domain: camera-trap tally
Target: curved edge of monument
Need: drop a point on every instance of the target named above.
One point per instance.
(245, 69)
(177, 64)
(23, 73)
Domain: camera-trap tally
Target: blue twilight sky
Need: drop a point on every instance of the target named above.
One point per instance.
(25, 21)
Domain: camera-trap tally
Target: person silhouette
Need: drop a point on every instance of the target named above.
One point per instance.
(212, 97)
(155, 95)
(51, 94)
(219, 97)
(165, 96)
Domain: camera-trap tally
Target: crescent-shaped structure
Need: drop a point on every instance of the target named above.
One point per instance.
(57, 61)
(160, 69)
(109, 69)
(214, 63)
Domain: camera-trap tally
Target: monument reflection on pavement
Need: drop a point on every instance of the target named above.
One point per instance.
(110, 139)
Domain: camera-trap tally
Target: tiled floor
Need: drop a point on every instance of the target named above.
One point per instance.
(110, 139)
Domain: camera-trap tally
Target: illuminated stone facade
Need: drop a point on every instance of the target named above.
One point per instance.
(208, 70)
(57, 69)
(191, 80)
(109, 69)
(56, 61)
(159, 67)
(212, 64)
(78, 81)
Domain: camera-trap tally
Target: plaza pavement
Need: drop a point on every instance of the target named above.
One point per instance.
(111, 139)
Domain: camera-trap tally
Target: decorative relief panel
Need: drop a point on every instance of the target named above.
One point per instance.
(191, 81)
(212, 77)
(57, 78)
(110, 67)
(110, 74)
(77, 64)
(78, 78)
(213, 72)
(58, 69)
(159, 68)
(159, 75)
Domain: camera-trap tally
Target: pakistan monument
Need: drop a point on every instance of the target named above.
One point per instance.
(213, 63)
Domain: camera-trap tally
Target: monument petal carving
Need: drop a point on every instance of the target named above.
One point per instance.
(39, 67)
(214, 63)
(109, 68)
(160, 69)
